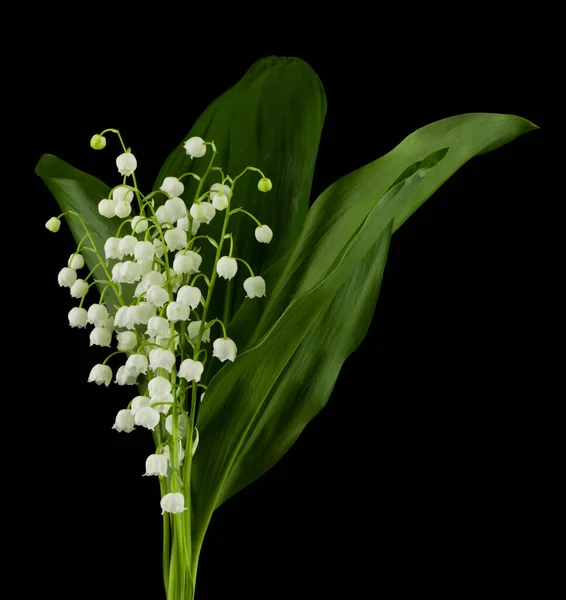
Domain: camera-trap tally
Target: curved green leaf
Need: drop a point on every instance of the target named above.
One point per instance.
(271, 119)
(80, 192)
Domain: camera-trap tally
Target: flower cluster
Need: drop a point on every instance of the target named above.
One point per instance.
(154, 296)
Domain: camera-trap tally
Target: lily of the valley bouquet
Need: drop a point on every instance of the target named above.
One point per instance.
(227, 306)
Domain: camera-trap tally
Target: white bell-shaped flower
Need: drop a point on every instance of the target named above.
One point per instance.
(183, 264)
(101, 336)
(122, 194)
(144, 251)
(139, 402)
(76, 261)
(224, 349)
(161, 359)
(189, 295)
(107, 208)
(122, 209)
(53, 224)
(112, 248)
(163, 215)
(164, 405)
(195, 147)
(193, 330)
(196, 226)
(97, 315)
(159, 249)
(145, 266)
(175, 239)
(263, 234)
(127, 245)
(151, 278)
(137, 364)
(158, 326)
(198, 211)
(139, 224)
(156, 464)
(218, 188)
(66, 277)
(157, 295)
(116, 273)
(197, 260)
(172, 186)
(255, 287)
(174, 502)
(79, 288)
(176, 208)
(183, 223)
(147, 417)
(130, 272)
(191, 370)
(220, 201)
(78, 317)
(123, 377)
(182, 425)
(127, 340)
(159, 388)
(126, 163)
(227, 267)
(123, 318)
(177, 312)
(124, 421)
(100, 374)
(180, 454)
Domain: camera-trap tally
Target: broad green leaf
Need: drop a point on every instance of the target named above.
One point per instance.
(80, 192)
(246, 399)
(271, 119)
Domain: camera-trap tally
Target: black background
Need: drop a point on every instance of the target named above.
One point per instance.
(426, 470)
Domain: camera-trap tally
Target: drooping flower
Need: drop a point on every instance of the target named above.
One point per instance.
(227, 267)
(159, 388)
(139, 402)
(147, 417)
(220, 201)
(163, 216)
(161, 359)
(53, 224)
(139, 224)
(224, 349)
(122, 194)
(124, 421)
(218, 188)
(107, 208)
(127, 340)
(163, 406)
(149, 279)
(197, 260)
(136, 364)
(100, 374)
(123, 377)
(180, 455)
(126, 163)
(177, 312)
(123, 318)
(158, 326)
(157, 295)
(97, 315)
(76, 261)
(101, 336)
(127, 245)
(193, 330)
(129, 272)
(263, 234)
(112, 248)
(182, 425)
(176, 209)
(182, 264)
(189, 295)
(175, 239)
(255, 287)
(191, 370)
(78, 317)
(144, 251)
(173, 502)
(195, 147)
(66, 277)
(156, 464)
(122, 209)
(203, 212)
(172, 186)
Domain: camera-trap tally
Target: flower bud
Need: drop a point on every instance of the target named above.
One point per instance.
(176, 239)
(136, 364)
(112, 248)
(125, 378)
(101, 336)
(193, 331)
(97, 142)
(122, 194)
(263, 234)
(195, 147)
(79, 288)
(139, 402)
(78, 317)
(227, 267)
(53, 224)
(264, 184)
(177, 312)
(76, 261)
(107, 208)
(182, 425)
(139, 224)
(161, 359)
(255, 287)
(67, 277)
(126, 163)
(189, 295)
(124, 421)
(159, 388)
(127, 340)
(147, 417)
(191, 370)
(158, 326)
(182, 264)
(175, 501)
(122, 209)
(224, 349)
(156, 464)
(172, 186)
(100, 374)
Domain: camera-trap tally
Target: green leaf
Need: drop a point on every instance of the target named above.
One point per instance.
(255, 399)
(80, 192)
(271, 119)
